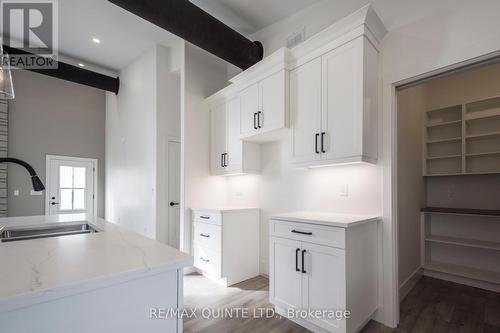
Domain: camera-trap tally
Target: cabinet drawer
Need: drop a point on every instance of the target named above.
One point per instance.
(207, 261)
(208, 236)
(324, 235)
(207, 217)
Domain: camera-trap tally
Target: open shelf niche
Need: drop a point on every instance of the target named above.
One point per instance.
(463, 139)
(462, 245)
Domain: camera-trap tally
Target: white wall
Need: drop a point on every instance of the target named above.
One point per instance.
(203, 75)
(411, 185)
(136, 125)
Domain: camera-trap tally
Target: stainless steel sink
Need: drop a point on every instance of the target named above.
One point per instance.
(17, 234)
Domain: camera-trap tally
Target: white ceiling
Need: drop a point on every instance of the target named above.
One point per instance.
(125, 36)
(249, 16)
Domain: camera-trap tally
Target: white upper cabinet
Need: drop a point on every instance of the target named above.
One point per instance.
(333, 104)
(263, 90)
(325, 90)
(305, 111)
(218, 141)
(228, 153)
(250, 105)
(263, 107)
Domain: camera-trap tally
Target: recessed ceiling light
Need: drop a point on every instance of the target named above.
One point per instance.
(81, 65)
(96, 40)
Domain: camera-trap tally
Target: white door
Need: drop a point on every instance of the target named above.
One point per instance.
(342, 100)
(174, 193)
(249, 108)
(285, 278)
(305, 111)
(218, 142)
(71, 185)
(273, 93)
(323, 283)
(234, 143)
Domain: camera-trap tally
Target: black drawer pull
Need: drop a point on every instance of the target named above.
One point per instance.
(297, 260)
(255, 121)
(206, 236)
(205, 260)
(303, 253)
(302, 232)
(205, 217)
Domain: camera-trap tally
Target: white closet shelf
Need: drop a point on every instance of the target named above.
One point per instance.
(444, 174)
(443, 157)
(482, 135)
(445, 140)
(490, 153)
(481, 116)
(464, 242)
(467, 272)
(445, 123)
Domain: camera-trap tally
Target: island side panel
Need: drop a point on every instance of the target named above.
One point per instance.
(124, 307)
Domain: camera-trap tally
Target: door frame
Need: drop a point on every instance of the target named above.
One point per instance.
(50, 158)
(389, 119)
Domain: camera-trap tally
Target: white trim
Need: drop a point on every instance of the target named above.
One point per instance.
(49, 158)
(407, 285)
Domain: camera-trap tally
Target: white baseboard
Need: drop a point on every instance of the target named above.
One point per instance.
(463, 280)
(409, 283)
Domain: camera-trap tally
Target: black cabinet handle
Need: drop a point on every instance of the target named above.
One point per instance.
(255, 120)
(323, 142)
(316, 143)
(205, 217)
(302, 232)
(206, 236)
(205, 260)
(303, 254)
(258, 119)
(297, 260)
(225, 159)
(172, 204)
(221, 160)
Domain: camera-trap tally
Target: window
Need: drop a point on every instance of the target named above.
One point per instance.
(72, 188)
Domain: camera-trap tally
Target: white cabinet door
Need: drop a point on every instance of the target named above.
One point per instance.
(272, 102)
(323, 283)
(234, 159)
(285, 276)
(249, 108)
(305, 111)
(343, 101)
(218, 135)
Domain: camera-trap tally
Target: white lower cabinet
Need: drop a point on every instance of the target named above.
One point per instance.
(324, 268)
(226, 244)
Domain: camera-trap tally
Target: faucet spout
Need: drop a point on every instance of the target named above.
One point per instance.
(35, 180)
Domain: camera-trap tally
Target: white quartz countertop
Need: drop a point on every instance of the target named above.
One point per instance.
(325, 218)
(39, 270)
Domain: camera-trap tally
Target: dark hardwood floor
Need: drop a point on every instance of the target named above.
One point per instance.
(432, 306)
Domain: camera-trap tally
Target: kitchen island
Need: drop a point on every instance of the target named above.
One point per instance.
(110, 280)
